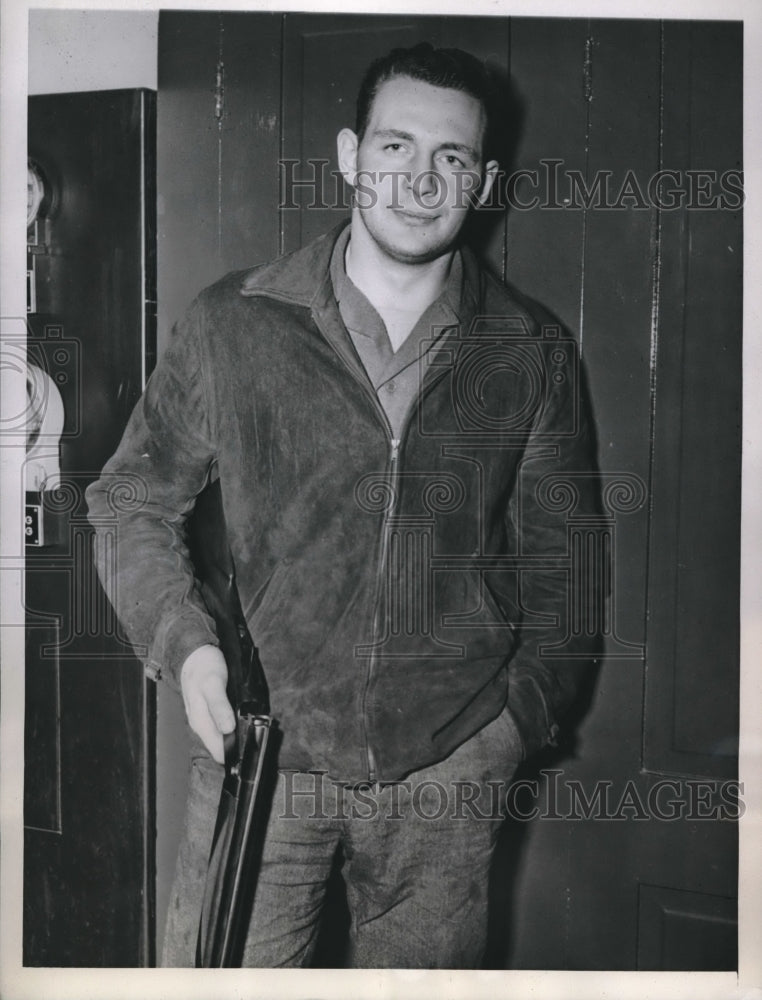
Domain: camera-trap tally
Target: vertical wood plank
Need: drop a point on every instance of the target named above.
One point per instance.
(568, 884)
(623, 65)
(325, 58)
(545, 260)
(617, 299)
(488, 40)
(188, 258)
(187, 178)
(219, 119)
(691, 719)
(250, 138)
(545, 242)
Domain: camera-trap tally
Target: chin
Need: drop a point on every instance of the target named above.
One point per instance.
(410, 246)
(424, 257)
(413, 252)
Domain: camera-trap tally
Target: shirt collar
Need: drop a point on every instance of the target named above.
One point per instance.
(360, 315)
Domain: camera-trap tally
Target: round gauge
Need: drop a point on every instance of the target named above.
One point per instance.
(35, 192)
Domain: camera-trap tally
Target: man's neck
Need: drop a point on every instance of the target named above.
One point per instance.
(399, 292)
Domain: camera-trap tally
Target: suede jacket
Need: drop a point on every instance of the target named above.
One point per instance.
(401, 593)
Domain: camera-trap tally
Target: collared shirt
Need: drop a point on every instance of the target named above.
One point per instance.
(395, 375)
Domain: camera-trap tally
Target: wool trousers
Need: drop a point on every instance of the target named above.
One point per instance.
(415, 860)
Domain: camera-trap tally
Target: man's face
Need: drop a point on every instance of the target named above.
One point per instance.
(418, 169)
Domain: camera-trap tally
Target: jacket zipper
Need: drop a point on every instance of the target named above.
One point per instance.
(379, 593)
(395, 444)
(382, 560)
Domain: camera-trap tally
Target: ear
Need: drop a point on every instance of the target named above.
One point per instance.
(490, 173)
(346, 148)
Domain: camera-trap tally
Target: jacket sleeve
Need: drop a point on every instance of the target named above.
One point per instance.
(556, 503)
(141, 502)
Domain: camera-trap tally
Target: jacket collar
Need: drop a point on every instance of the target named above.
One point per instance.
(298, 277)
(303, 277)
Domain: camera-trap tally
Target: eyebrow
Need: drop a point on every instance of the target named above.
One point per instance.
(393, 133)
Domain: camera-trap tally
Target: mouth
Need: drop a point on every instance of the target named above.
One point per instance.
(415, 218)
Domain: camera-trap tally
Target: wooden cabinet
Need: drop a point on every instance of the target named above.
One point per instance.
(88, 779)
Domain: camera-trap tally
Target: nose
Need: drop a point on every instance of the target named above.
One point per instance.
(426, 179)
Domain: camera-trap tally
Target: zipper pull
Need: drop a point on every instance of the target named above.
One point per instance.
(395, 448)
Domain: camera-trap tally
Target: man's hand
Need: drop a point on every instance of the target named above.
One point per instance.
(202, 680)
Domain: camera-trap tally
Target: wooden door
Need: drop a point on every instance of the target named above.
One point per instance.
(603, 878)
(88, 788)
(662, 343)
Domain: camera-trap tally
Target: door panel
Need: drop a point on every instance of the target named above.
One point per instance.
(319, 93)
(681, 930)
(695, 529)
(545, 246)
(218, 181)
(317, 102)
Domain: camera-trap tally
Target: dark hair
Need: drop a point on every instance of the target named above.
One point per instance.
(451, 68)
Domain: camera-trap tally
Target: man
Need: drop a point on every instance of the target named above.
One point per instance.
(387, 423)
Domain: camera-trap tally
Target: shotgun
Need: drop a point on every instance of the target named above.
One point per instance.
(250, 751)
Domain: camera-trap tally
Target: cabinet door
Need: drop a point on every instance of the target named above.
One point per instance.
(88, 791)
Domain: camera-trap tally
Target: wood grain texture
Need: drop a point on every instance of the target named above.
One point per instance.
(653, 296)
